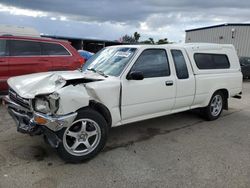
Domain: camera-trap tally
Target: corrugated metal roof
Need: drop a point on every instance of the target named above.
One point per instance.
(221, 25)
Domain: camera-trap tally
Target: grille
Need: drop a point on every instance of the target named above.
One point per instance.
(19, 100)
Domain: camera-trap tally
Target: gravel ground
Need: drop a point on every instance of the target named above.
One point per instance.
(180, 150)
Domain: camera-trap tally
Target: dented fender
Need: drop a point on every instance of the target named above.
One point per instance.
(72, 98)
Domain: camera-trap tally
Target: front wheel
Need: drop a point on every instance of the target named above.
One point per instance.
(214, 108)
(85, 138)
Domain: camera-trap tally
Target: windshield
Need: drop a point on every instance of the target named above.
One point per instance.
(110, 61)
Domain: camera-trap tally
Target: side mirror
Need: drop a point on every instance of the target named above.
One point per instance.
(135, 75)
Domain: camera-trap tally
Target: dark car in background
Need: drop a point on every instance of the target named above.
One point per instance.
(25, 55)
(245, 66)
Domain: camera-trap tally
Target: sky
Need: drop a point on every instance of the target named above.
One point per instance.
(111, 19)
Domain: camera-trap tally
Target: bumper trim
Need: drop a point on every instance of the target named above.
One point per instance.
(20, 113)
(56, 123)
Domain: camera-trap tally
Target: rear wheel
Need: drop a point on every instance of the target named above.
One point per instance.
(85, 138)
(215, 107)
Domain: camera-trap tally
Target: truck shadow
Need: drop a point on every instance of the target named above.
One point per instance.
(119, 137)
(34, 149)
(129, 134)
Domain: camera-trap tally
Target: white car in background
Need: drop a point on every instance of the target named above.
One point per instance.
(123, 84)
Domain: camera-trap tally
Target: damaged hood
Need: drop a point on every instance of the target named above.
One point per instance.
(28, 86)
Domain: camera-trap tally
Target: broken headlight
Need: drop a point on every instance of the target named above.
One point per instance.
(42, 105)
(47, 104)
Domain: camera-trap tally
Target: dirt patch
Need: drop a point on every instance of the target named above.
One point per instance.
(37, 153)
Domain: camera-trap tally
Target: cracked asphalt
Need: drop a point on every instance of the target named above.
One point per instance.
(180, 150)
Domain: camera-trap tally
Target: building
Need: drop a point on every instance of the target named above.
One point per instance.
(236, 34)
(91, 45)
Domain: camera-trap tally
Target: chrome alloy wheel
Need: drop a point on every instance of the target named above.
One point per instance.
(82, 137)
(216, 105)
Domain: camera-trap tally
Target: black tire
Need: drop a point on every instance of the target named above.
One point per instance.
(207, 111)
(90, 114)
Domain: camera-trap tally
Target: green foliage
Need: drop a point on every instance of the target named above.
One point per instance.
(137, 36)
(135, 39)
(131, 39)
(146, 42)
(128, 39)
(151, 40)
(163, 41)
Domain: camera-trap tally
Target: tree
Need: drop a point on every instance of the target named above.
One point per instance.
(151, 40)
(135, 39)
(128, 39)
(137, 36)
(146, 42)
(163, 41)
(131, 39)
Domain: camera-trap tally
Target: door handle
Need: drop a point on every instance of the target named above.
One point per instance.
(169, 83)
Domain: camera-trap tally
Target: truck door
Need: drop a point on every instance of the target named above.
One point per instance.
(185, 80)
(155, 94)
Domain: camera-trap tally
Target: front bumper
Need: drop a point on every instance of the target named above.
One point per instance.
(28, 121)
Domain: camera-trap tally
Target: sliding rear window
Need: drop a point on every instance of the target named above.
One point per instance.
(211, 61)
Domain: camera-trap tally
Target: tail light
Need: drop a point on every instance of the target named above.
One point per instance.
(81, 61)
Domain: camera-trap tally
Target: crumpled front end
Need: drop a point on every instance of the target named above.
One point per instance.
(45, 103)
(34, 123)
(49, 99)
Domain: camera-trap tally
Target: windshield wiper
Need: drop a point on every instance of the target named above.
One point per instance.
(98, 71)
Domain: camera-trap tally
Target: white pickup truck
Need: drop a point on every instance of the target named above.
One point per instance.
(123, 84)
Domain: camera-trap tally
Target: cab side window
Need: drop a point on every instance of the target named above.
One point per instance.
(180, 64)
(152, 63)
(2, 47)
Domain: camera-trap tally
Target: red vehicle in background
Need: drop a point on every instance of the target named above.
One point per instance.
(25, 55)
